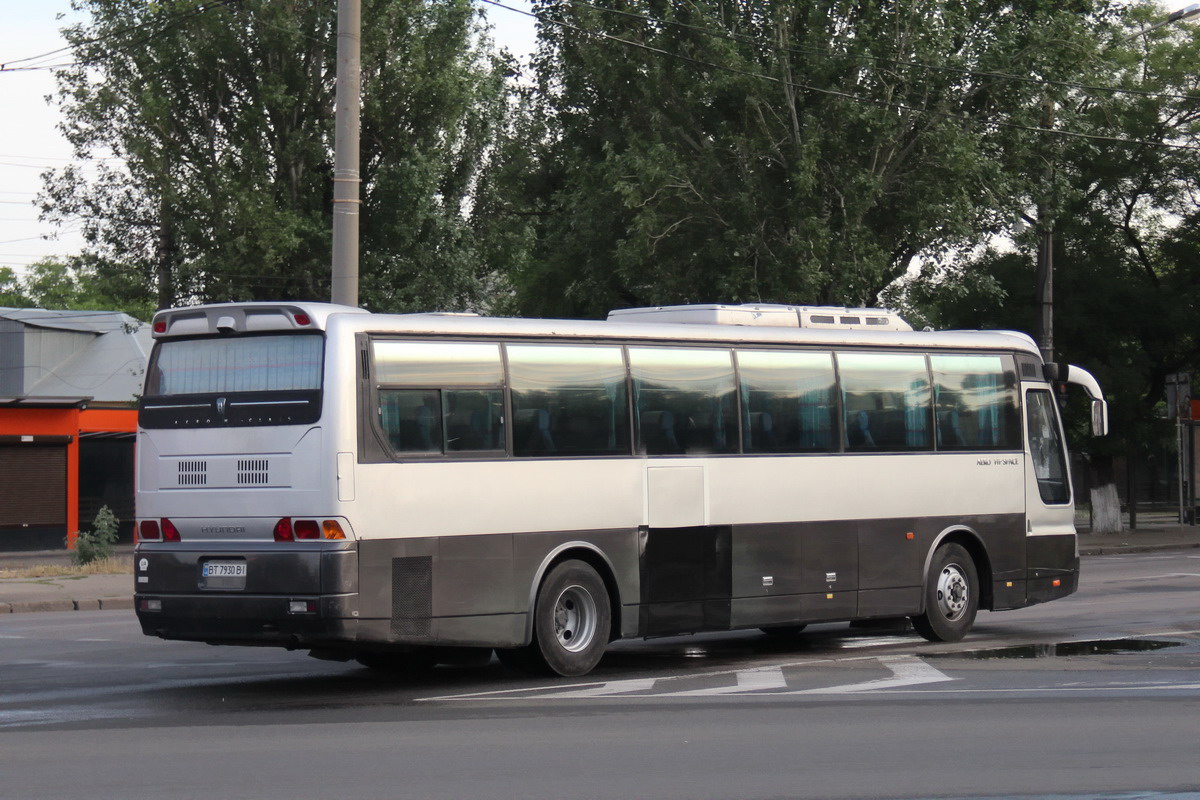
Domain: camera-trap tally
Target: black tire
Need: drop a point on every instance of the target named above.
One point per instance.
(398, 663)
(951, 596)
(521, 659)
(784, 631)
(463, 656)
(572, 619)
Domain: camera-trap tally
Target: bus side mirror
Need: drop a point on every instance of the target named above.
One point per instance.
(1099, 418)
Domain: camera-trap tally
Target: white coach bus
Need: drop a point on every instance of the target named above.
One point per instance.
(407, 489)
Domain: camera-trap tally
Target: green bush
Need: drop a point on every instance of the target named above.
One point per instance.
(97, 543)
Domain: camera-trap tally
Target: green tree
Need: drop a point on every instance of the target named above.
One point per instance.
(12, 291)
(213, 124)
(1126, 235)
(768, 151)
(71, 284)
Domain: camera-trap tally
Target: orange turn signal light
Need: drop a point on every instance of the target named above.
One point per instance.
(1056, 582)
(332, 530)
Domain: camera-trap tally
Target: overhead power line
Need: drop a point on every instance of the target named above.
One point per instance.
(844, 95)
(166, 22)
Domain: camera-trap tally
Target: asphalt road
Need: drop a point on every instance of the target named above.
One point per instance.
(1094, 696)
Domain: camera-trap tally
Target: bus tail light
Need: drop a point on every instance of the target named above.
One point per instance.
(169, 532)
(307, 529)
(302, 318)
(283, 530)
(148, 531)
(289, 530)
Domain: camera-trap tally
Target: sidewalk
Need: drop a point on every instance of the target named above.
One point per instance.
(63, 593)
(106, 592)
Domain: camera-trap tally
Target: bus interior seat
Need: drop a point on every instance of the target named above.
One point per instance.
(762, 431)
(858, 432)
(532, 429)
(483, 432)
(951, 429)
(658, 432)
(424, 428)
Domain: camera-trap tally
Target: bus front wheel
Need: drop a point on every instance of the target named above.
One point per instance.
(951, 596)
(571, 619)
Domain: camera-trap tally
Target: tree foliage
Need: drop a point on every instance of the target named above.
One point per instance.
(214, 123)
(1126, 229)
(57, 284)
(768, 151)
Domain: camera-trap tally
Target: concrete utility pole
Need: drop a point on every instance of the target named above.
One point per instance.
(346, 180)
(1045, 262)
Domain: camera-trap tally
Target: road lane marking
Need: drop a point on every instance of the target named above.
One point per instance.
(760, 681)
(605, 689)
(748, 681)
(906, 671)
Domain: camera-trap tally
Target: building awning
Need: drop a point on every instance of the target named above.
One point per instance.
(44, 402)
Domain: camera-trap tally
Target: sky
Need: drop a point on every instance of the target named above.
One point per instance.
(30, 141)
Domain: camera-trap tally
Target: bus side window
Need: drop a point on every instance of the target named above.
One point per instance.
(411, 419)
(684, 400)
(886, 397)
(976, 402)
(788, 401)
(568, 400)
(440, 397)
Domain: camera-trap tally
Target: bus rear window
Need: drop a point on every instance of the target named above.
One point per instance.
(232, 364)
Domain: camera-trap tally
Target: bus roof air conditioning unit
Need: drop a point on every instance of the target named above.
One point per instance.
(768, 315)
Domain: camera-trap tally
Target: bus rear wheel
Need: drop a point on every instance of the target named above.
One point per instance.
(571, 620)
(951, 596)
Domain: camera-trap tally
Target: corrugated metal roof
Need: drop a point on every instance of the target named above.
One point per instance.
(107, 366)
(72, 320)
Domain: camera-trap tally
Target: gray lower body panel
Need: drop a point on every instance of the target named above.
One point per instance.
(480, 590)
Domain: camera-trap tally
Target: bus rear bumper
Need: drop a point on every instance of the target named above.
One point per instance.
(264, 620)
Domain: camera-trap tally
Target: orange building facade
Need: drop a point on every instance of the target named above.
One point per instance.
(59, 462)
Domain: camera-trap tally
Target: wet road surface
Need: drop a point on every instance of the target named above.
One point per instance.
(1096, 694)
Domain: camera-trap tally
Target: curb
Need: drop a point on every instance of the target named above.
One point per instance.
(101, 604)
(1115, 549)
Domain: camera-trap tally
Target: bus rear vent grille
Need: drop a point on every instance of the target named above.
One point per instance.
(412, 596)
(253, 472)
(193, 473)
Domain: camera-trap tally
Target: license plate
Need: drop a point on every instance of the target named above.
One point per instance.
(226, 575)
(224, 569)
